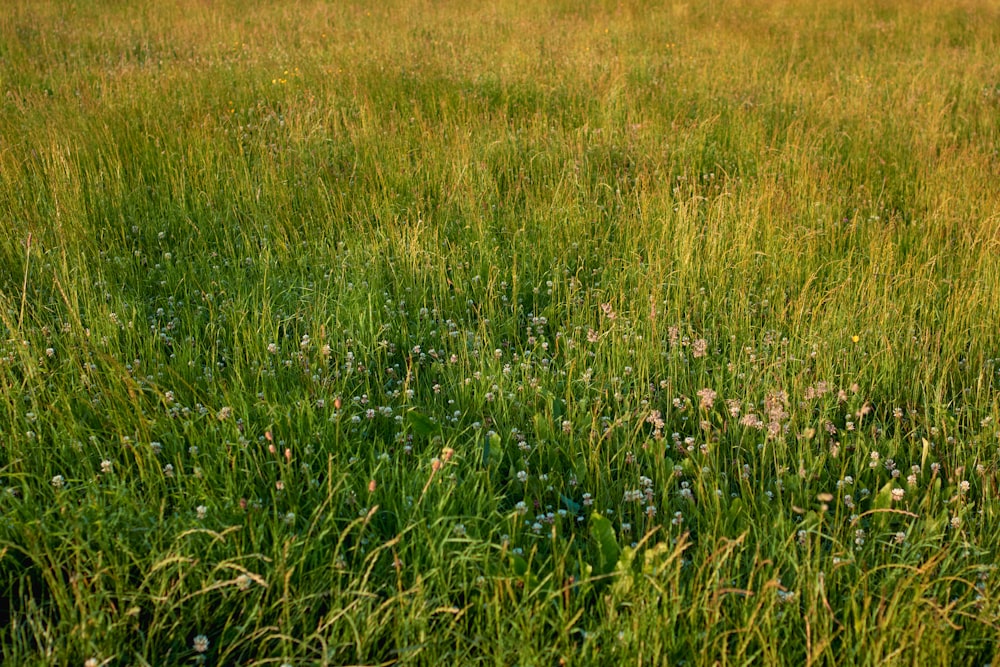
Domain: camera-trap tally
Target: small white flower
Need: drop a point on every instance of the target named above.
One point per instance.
(106, 467)
(58, 481)
(200, 643)
(201, 511)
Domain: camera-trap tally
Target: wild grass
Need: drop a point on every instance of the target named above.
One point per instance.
(527, 333)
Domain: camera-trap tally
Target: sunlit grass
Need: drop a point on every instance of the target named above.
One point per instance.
(570, 333)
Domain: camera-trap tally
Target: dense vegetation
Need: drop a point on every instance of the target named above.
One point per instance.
(539, 333)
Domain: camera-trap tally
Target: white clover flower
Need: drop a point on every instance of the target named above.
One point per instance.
(58, 481)
(200, 644)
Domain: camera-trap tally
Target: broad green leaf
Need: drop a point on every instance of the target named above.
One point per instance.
(519, 564)
(571, 506)
(420, 423)
(607, 546)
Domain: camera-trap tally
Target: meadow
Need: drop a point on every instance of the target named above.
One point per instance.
(552, 333)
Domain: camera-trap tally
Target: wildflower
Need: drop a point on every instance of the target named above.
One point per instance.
(699, 348)
(58, 481)
(964, 486)
(224, 414)
(522, 476)
(588, 500)
(201, 511)
(460, 529)
(200, 643)
(106, 467)
(897, 494)
(707, 397)
(168, 470)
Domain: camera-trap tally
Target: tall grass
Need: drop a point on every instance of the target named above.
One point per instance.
(563, 333)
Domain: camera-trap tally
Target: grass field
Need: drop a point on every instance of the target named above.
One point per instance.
(552, 333)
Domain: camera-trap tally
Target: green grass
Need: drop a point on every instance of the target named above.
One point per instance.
(341, 333)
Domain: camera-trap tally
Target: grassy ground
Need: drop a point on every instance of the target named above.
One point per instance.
(535, 333)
